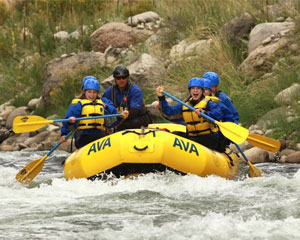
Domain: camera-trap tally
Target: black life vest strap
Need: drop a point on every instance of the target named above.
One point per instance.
(114, 96)
(91, 115)
(196, 122)
(92, 103)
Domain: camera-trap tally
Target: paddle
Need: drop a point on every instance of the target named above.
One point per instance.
(29, 172)
(254, 171)
(32, 123)
(230, 130)
(264, 142)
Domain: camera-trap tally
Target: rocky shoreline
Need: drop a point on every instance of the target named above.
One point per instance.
(48, 136)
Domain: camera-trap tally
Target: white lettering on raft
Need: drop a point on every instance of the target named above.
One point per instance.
(99, 145)
(187, 147)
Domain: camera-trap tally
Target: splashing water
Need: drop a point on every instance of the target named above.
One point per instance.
(152, 206)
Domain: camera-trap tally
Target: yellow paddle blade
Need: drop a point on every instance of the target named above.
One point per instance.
(234, 132)
(263, 142)
(29, 123)
(29, 172)
(254, 171)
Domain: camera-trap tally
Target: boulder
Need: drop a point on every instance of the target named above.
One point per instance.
(263, 31)
(20, 111)
(71, 65)
(143, 18)
(6, 148)
(293, 158)
(287, 152)
(34, 103)
(117, 34)
(238, 28)
(257, 155)
(4, 134)
(36, 139)
(190, 48)
(288, 95)
(147, 70)
(270, 116)
(259, 60)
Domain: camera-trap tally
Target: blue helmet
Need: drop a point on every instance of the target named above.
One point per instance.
(87, 78)
(207, 83)
(195, 82)
(213, 77)
(91, 84)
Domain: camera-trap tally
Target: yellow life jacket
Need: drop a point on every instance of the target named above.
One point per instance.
(90, 109)
(75, 100)
(214, 99)
(196, 125)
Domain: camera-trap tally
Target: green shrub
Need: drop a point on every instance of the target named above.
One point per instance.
(4, 13)
(135, 7)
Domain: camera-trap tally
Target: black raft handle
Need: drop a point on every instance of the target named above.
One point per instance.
(140, 149)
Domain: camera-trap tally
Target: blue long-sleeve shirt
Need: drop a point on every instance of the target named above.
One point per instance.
(134, 96)
(227, 114)
(227, 102)
(75, 111)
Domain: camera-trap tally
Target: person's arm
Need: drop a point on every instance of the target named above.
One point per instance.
(109, 108)
(166, 109)
(107, 94)
(214, 111)
(170, 110)
(227, 102)
(136, 102)
(73, 111)
(227, 114)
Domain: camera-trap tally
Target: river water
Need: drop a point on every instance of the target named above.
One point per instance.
(153, 206)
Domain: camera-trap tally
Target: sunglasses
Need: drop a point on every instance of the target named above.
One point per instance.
(121, 77)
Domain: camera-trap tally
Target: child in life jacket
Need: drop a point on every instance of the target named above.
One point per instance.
(89, 104)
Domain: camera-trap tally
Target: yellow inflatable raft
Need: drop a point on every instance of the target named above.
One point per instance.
(137, 151)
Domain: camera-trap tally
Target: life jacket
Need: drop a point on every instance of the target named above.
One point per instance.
(124, 103)
(75, 100)
(196, 125)
(214, 99)
(90, 109)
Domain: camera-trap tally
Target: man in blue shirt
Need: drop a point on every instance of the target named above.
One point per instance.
(127, 96)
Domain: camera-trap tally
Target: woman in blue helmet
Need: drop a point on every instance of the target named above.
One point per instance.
(198, 128)
(214, 78)
(88, 104)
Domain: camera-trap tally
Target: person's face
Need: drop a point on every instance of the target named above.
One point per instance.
(207, 92)
(214, 89)
(196, 93)
(91, 94)
(121, 81)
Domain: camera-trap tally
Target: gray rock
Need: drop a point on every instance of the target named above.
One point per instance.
(264, 30)
(257, 155)
(293, 158)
